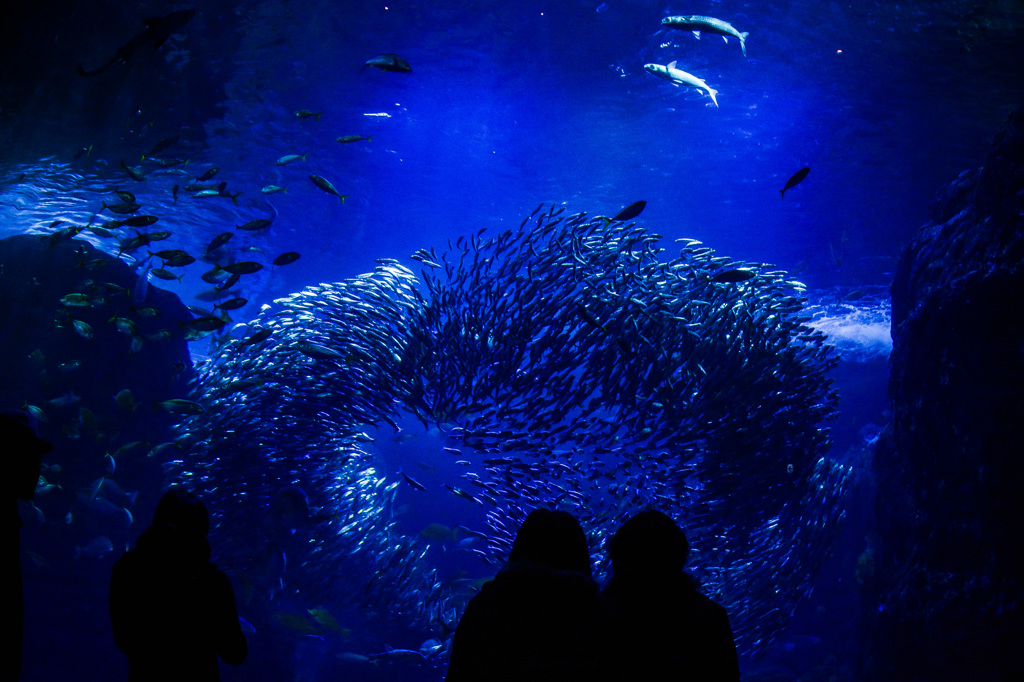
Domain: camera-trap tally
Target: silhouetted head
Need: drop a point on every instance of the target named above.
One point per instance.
(650, 543)
(553, 539)
(182, 508)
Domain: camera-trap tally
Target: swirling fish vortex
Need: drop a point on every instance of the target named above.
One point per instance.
(572, 368)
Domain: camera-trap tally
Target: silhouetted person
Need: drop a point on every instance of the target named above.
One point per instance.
(172, 611)
(659, 626)
(537, 621)
(24, 458)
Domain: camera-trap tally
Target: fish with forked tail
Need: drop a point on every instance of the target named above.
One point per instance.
(680, 77)
(698, 23)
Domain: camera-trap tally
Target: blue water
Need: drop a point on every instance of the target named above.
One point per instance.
(508, 106)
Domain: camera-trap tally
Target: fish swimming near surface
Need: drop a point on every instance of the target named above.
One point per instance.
(795, 180)
(158, 30)
(124, 208)
(698, 23)
(140, 221)
(679, 77)
(388, 62)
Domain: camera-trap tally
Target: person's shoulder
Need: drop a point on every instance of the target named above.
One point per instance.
(212, 573)
(126, 561)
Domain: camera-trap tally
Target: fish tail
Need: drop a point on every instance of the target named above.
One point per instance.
(743, 42)
(782, 193)
(713, 97)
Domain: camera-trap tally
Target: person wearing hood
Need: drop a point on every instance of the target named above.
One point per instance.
(537, 620)
(172, 611)
(660, 626)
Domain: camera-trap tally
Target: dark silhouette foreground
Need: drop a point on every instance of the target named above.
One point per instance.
(537, 621)
(172, 611)
(659, 627)
(24, 459)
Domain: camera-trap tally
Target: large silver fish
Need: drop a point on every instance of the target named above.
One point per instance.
(679, 77)
(697, 23)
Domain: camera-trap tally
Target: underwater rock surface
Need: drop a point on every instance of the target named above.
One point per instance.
(92, 354)
(950, 563)
(92, 364)
(565, 365)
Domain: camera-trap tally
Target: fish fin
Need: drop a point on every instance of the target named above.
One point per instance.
(725, 39)
(672, 64)
(696, 34)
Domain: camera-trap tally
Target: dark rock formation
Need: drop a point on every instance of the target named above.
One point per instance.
(96, 399)
(943, 603)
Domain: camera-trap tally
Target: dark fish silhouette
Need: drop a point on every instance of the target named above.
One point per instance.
(286, 258)
(631, 211)
(733, 276)
(795, 180)
(388, 62)
(158, 30)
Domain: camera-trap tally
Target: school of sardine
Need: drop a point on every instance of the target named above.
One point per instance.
(568, 366)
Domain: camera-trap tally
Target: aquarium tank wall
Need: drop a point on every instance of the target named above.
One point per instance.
(377, 279)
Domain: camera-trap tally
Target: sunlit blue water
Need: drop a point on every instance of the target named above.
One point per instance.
(508, 106)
